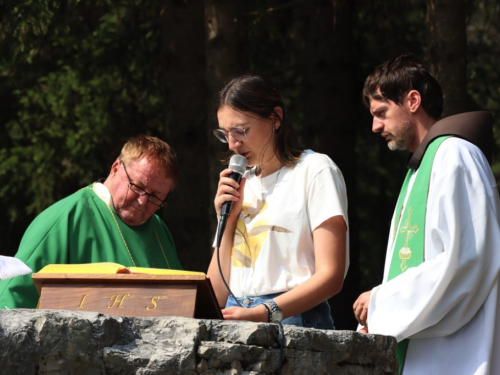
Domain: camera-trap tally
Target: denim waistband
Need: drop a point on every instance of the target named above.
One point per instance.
(318, 317)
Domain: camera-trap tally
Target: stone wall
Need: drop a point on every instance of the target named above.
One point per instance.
(59, 342)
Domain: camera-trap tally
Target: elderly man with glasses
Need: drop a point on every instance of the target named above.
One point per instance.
(112, 221)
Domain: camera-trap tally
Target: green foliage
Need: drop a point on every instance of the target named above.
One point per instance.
(483, 78)
(77, 79)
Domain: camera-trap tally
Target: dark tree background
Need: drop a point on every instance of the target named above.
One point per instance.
(78, 78)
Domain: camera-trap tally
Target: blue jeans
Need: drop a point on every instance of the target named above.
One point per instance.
(317, 317)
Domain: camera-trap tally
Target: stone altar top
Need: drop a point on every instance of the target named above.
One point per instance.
(68, 342)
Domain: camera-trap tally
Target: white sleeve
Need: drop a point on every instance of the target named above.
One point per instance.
(326, 196)
(462, 257)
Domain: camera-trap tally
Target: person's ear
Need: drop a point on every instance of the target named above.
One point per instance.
(413, 100)
(277, 117)
(115, 167)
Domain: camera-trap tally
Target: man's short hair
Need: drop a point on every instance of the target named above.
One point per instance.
(158, 151)
(393, 79)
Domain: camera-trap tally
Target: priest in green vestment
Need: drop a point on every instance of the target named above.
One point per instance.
(440, 295)
(113, 221)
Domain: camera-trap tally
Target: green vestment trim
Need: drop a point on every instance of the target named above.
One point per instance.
(83, 229)
(410, 236)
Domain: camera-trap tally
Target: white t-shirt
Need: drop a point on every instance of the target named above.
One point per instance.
(273, 248)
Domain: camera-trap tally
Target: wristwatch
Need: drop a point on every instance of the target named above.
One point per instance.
(274, 311)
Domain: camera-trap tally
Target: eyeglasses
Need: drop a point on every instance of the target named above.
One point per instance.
(141, 192)
(237, 133)
(240, 134)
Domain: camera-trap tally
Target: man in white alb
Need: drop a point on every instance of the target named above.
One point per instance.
(440, 296)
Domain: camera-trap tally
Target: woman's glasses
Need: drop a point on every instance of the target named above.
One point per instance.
(237, 133)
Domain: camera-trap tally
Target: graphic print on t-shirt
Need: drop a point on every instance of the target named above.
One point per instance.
(251, 232)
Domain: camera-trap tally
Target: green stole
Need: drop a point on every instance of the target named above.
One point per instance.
(409, 238)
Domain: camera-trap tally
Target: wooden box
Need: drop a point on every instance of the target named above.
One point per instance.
(189, 296)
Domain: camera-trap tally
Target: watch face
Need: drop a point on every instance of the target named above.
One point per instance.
(277, 316)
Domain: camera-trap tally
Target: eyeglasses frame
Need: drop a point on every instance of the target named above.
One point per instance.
(140, 191)
(226, 134)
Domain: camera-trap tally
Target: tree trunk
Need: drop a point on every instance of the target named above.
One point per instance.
(227, 57)
(448, 51)
(183, 54)
(329, 104)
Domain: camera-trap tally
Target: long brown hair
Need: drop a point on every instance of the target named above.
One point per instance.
(260, 96)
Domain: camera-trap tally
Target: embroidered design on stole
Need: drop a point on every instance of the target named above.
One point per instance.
(405, 251)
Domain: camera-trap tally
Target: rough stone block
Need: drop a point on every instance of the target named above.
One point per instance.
(51, 342)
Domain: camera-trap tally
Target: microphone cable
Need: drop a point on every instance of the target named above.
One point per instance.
(281, 334)
(224, 280)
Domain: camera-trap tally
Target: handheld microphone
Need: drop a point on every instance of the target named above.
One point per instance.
(238, 164)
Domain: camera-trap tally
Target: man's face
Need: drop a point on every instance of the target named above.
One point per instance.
(394, 123)
(132, 208)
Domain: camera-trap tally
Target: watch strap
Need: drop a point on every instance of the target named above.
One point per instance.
(269, 312)
(275, 310)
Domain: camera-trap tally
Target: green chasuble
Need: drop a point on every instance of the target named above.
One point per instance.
(409, 226)
(82, 228)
